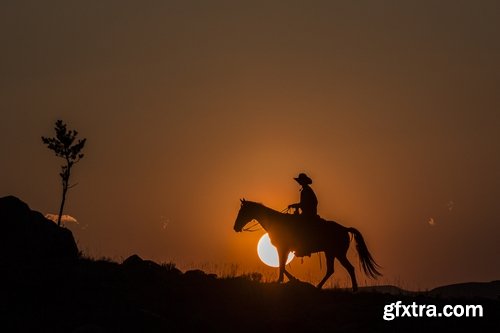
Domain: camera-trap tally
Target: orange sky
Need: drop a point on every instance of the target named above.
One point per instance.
(391, 108)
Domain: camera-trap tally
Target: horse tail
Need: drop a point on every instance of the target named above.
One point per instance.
(370, 267)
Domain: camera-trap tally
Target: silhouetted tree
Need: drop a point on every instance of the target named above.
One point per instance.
(64, 146)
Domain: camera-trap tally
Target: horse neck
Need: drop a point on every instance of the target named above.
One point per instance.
(266, 216)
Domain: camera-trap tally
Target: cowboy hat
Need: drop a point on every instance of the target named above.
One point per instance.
(303, 179)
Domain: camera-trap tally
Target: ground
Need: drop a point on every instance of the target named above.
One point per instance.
(142, 296)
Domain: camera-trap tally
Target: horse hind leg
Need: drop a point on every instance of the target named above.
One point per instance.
(350, 269)
(329, 269)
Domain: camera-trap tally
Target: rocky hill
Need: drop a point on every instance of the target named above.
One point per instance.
(27, 237)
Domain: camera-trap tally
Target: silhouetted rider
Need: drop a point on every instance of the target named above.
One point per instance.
(308, 202)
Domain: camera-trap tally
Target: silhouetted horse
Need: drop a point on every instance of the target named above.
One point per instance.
(290, 232)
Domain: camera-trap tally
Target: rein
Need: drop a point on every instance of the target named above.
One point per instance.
(250, 228)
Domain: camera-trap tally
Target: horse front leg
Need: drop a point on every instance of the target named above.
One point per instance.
(282, 256)
(290, 276)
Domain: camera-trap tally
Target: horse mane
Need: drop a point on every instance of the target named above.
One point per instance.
(261, 205)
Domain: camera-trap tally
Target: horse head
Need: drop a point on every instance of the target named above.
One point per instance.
(244, 216)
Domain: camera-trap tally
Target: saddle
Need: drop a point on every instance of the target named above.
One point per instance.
(307, 225)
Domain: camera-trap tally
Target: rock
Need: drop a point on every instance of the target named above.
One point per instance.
(195, 273)
(27, 237)
(136, 262)
(133, 260)
(198, 274)
(137, 266)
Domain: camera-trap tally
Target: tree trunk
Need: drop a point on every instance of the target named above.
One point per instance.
(65, 189)
(65, 182)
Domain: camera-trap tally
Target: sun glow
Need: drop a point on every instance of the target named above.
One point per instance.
(268, 253)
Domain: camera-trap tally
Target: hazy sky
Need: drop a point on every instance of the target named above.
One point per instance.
(392, 107)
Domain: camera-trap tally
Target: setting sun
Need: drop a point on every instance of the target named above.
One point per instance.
(268, 254)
